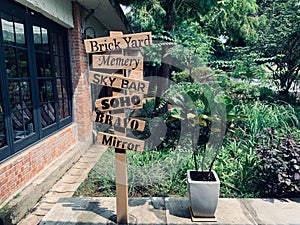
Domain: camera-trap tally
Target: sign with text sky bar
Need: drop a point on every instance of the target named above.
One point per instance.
(106, 44)
(118, 81)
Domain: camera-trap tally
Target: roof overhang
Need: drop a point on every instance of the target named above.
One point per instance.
(108, 13)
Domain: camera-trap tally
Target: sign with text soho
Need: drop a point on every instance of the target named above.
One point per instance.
(106, 106)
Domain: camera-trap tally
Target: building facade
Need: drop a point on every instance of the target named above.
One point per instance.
(45, 97)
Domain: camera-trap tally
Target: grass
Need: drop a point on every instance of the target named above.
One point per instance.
(163, 173)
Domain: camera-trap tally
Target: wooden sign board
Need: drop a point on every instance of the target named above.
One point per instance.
(132, 123)
(117, 62)
(106, 44)
(118, 81)
(121, 142)
(119, 102)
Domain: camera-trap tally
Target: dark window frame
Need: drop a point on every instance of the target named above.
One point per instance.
(31, 19)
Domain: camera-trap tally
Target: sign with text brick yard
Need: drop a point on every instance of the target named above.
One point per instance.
(127, 41)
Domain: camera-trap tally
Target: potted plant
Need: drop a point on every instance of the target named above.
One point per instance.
(205, 112)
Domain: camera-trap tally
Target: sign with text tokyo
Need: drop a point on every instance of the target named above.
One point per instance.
(113, 43)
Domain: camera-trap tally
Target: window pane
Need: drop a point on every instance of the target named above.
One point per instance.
(63, 108)
(8, 29)
(22, 121)
(61, 45)
(37, 37)
(65, 88)
(59, 89)
(62, 65)
(47, 65)
(26, 93)
(14, 93)
(10, 62)
(56, 62)
(55, 43)
(2, 126)
(46, 90)
(2, 132)
(19, 30)
(40, 64)
(22, 63)
(66, 107)
(47, 114)
(45, 40)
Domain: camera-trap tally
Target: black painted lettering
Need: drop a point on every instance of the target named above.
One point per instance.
(124, 83)
(114, 103)
(107, 141)
(112, 80)
(105, 60)
(130, 146)
(134, 44)
(99, 117)
(114, 141)
(96, 78)
(105, 104)
(118, 122)
(132, 86)
(134, 124)
(108, 119)
(117, 44)
(124, 143)
(127, 41)
(110, 46)
(125, 101)
(141, 87)
(136, 147)
(135, 99)
(147, 41)
(118, 143)
(94, 46)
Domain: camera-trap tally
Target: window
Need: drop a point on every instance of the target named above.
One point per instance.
(35, 87)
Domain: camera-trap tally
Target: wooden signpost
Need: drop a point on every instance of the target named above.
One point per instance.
(111, 108)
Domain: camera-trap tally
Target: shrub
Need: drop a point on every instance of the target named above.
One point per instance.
(279, 167)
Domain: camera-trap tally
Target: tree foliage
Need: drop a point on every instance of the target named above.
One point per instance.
(279, 42)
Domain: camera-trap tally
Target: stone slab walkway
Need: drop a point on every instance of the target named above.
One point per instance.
(66, 186)
(58, 207)
(144, 211)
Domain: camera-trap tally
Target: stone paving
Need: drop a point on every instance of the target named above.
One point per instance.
(66, 186)
(58, 207)
(158, 210)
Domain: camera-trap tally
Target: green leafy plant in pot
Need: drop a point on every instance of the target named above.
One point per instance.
(205, 111)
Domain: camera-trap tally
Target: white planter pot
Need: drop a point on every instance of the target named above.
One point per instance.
(203, 196)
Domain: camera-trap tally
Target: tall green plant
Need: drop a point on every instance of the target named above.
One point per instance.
(204, 110)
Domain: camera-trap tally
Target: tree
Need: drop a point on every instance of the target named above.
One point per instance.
(279, 42)
(231, 18)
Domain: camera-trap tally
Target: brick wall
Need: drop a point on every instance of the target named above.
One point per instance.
(17, 171)
(81, 87)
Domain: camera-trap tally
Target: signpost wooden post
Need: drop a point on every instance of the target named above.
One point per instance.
(117, 103)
